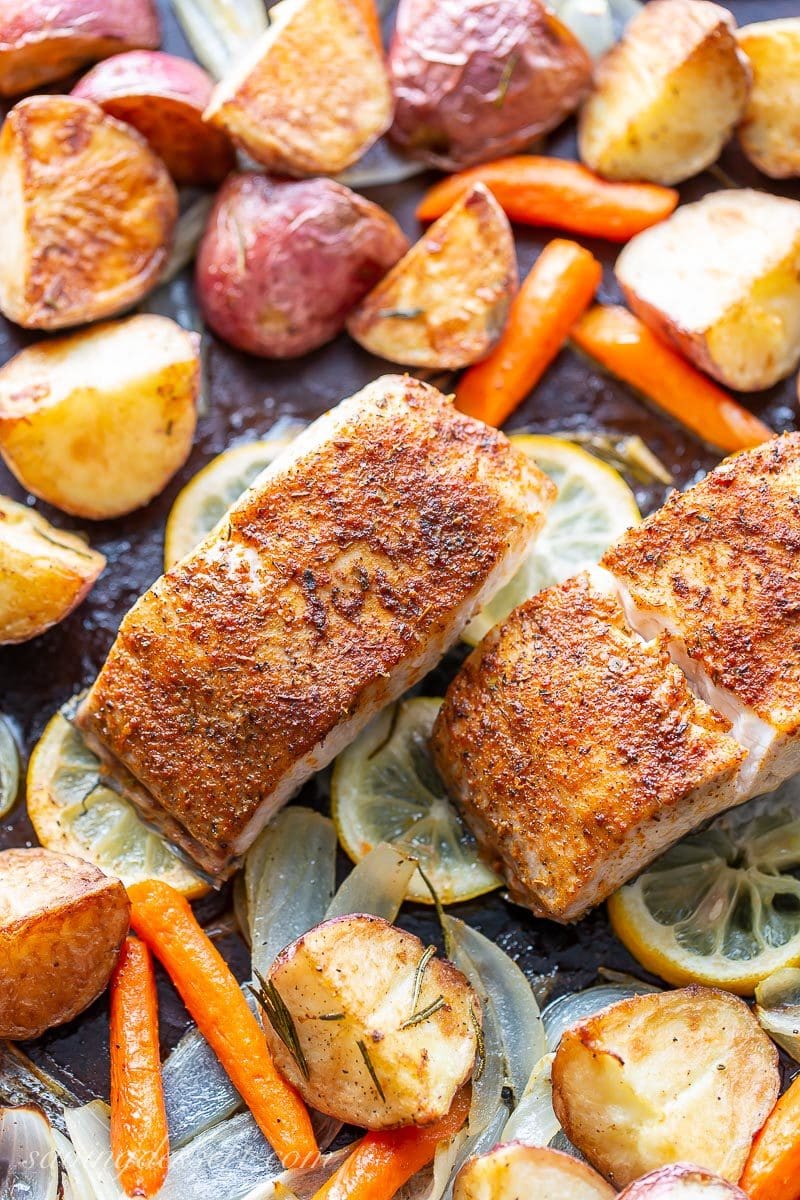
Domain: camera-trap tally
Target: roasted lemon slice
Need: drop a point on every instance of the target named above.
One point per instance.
(72, 810)
(385, 789)
(210, 493)
(722, 907)
(593, 508)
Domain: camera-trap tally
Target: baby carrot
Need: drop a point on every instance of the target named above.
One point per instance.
(382, 1162)
(560, 286)
(627, 348)
(772, 1171)
(554, 191)
(162, 918)
(139, 1137)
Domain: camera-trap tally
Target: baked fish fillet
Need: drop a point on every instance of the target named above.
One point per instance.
(332, 586)
(717, 570)
(577, 752)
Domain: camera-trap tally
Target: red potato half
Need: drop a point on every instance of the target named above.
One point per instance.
(163, 97)
(43, 40)
(282, 263)
(515, 1171)
(682, 1181)
(477, 79)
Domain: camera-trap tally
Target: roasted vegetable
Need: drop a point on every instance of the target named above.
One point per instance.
(62, 923)
(98, 422)
(282, 263)
(682, 1182)
(683, 1076)
(312, 95)
(720, 279)
(769, 132)
(515, 1171)
(164, 98)
(474, 79)
(444, 305)
(41, 41)
(88, 211)
(44, 572)
(668, 96)
(369, 1025)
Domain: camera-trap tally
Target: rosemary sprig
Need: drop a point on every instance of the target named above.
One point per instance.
(426, 957)
(371, 1068)
(280, 1019)
(438, 906)
(330, 1017)
(402, 314)
(505, 80)
(417, 1018)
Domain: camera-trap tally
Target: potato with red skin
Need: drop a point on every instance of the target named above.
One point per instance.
(283, 262)
(681, 1181)
(474, 80)
(45, 40)
(163, 97)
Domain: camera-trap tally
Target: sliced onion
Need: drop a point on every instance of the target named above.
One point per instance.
(89, 1129)
(568, 1010)
(188, 234)
(289, 879)
(302, 1182)
(22, 1082)
(80, 1187)
(378, 885)
(226, 1162)
(220, 31)
(778, 1008)
(533, 1121)
(28, 1156)
(596, 23)
(381, 165)
(9, 767)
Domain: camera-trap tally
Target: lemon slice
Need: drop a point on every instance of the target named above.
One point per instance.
(73, 811)
(385, 789)
(210, 493)
(722, 907)
(593, 508)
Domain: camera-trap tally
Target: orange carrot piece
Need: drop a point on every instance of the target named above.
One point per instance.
(162, 918)
(554, 191)
(559, 287)
(382, 1162)
(772, 1171)
(139, 1136)
(628, 349)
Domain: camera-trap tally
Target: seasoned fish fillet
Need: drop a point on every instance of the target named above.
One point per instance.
(332, 586)
(717, 569)
(576, 751)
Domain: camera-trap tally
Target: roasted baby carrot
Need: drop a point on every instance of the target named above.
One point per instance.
(139, 1137)
(772, 1171)
(163, 919)
(628, 349)
(382, 1162)
(554, 191)
(559, 287)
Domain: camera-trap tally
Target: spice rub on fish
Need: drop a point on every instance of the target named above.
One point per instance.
(333, 585)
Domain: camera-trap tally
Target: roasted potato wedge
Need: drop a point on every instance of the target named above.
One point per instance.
(88, 211)
(720, 279)
(668, 96)
(682, 1182)
(474, 80)
(62, 923)
(388, 1033)
(314, 93)
(164, 97)
(98, 422)
(282, 262)
(41, 41)
(445, 303)
(683, 1076)
(515, 1171)
(44, 572)
(770, 130)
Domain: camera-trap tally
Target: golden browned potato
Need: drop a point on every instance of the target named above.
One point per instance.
(516, 1171)
(683, 1076)
(445, 303)
(44, 572)
(88, 213)
(98, 422)
(720, 279)
(770, 130)
(682, 1182)
(314, 93)
(368, 1025)
(62, 923)
(41, 41)
(668, 96)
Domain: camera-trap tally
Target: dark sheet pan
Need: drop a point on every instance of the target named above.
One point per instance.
(246, 396)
